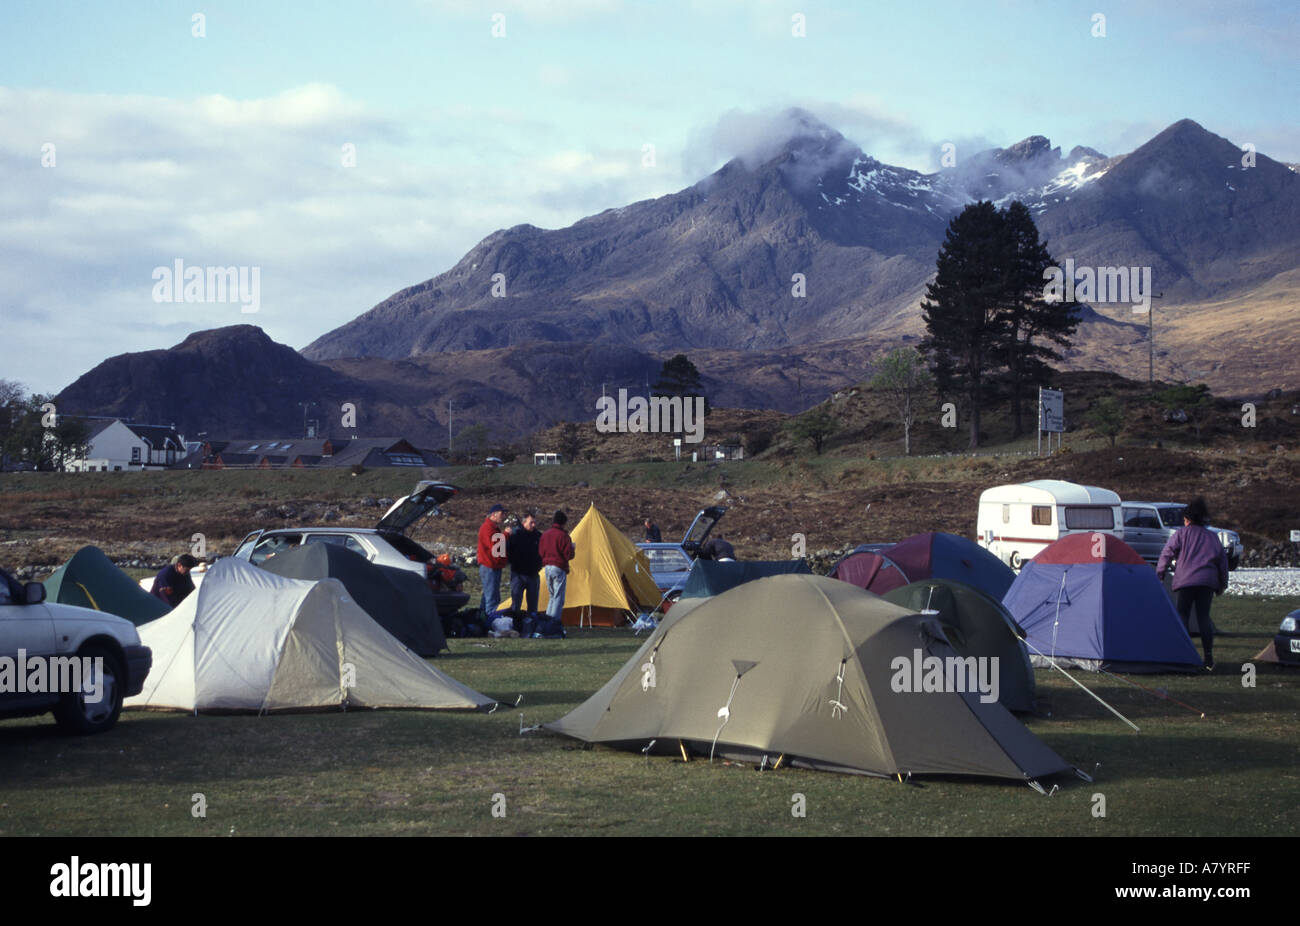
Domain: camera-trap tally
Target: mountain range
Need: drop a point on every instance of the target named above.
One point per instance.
(780, 279)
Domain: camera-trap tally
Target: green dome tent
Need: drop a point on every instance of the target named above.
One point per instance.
(805, 670)
(982, 627)
(90, 580)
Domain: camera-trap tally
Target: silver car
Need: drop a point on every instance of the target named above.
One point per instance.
(385, 544)
(1149, 525)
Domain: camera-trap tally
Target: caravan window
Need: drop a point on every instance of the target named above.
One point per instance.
(1006, 514)
(1042, 514)
(1082, 519)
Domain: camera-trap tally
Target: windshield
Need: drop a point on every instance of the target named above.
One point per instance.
(1172, 517)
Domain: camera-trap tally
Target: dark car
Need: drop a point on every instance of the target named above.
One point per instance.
(385, 544)
(1287, 641)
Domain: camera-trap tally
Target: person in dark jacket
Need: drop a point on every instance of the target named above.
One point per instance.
(1201, 573)
(557, 552)
(652, 534)
(717, 549)
(525, 564)
(173, 584)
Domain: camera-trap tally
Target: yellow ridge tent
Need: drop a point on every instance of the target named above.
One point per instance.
(609, 578)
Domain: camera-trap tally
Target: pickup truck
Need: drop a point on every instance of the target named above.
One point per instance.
(73, 661)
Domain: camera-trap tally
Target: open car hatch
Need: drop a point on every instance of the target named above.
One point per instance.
(423, 501)
(700, 529)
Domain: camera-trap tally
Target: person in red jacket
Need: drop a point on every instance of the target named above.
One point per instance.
(557, 552)
(491, 558)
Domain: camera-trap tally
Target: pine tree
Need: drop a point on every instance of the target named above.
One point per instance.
(964, 306)
(1028, 317)
(679, 377)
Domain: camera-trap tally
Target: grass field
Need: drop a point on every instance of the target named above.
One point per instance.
(1235, 772)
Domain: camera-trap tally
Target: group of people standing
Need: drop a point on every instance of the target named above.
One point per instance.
(530, 553)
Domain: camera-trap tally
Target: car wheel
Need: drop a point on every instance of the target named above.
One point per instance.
(1233, 563)
(77, 714)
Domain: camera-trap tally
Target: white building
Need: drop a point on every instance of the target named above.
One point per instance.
(115, 445)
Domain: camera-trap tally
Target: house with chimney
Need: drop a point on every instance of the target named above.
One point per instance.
(115, 445)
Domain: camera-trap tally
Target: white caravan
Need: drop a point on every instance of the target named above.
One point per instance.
(1017, 521)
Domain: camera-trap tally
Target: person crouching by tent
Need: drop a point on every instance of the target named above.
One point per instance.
(557, 551)
(491, 559)
(1201, 573)
(525, 566)
(173, 584)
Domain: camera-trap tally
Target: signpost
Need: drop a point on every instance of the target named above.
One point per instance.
(1051, 417)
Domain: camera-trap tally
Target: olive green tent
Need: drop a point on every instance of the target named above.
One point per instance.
(90, 580)
(977, 625)
(809, 671)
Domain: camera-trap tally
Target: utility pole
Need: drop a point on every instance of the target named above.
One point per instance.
(449, 430)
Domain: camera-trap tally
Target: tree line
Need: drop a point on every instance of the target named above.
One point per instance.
(32, 436)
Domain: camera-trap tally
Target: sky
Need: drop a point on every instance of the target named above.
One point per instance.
(346, 150)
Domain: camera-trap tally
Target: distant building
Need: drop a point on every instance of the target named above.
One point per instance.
(304, 453)
(724, 452)
(114, 444)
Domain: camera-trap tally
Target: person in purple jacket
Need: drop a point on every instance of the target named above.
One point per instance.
(1201, 573)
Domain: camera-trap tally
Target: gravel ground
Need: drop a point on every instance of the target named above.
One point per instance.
(1264, 582)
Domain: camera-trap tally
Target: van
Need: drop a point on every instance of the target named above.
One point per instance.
(1017, 521)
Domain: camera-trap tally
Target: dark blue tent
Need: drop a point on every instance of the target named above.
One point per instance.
(936, 555)
(708, 578)
(1098, 612)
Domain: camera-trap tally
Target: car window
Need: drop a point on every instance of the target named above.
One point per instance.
(271, 546)
(1173, 517)
(668, 560)
(340, 540)
(1144, 518)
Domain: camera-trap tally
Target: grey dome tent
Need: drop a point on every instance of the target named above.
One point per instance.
(979, 626)
(803, 669)
(398, 600)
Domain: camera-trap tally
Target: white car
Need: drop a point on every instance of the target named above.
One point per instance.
(51, 638)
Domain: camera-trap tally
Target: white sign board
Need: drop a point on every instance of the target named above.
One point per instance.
(1295, 536)
(1051, 410)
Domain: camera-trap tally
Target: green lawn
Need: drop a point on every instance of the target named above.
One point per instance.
(1235, 772)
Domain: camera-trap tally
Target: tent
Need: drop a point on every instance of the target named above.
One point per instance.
(90, 580)
(935, 555)
(251, 640)
(977, 625)
(399, 600)
(708, 578)
(869, 569)
(609, 578)
(805, 670)
(1089, 600)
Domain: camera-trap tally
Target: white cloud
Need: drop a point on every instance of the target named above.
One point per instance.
(141, 181)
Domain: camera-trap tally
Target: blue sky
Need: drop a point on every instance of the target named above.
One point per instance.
(226, 149)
